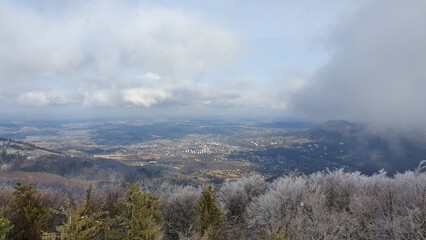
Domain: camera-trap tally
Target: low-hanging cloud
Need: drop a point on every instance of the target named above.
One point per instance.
(144, 96)
(107, 53)
(377, 71)
(41, 98)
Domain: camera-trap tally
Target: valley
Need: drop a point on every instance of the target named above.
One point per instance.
(192, 152)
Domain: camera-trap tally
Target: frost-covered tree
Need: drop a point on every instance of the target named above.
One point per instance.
(178, 208)
(271, 213)
(324, 205)
(411, 197)
(235, 197)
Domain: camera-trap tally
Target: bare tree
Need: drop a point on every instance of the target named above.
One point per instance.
(235, 197)
(272, 212)
(178, 206)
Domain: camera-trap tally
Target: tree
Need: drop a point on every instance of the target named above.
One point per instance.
(29, 214)
(80, 225)
(84, 222)
(235, 197)
(208, 218)
(5, 225)
(140, 214)
(178, 210)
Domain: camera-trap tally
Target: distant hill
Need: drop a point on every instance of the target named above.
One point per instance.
(369, 151)
(286, 125)
(23, 157)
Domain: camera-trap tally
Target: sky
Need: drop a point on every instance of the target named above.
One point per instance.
(317, 60)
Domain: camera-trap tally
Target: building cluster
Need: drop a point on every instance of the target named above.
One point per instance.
(204, 150)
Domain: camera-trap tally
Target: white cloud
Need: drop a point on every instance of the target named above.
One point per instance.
(100, 98)
(33, 99)
(41, 98)
(110, 53)
(145, 97)
(152, 76)
(106, 53)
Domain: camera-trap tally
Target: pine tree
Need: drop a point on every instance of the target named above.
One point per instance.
(84, 222)
(84, 226)
(208, 215)
(5, 225)
(29, 215)
(140, 214)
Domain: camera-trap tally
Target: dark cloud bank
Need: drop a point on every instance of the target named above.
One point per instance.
(377, 72)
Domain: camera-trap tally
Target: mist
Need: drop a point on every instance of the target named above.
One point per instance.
(376, 72)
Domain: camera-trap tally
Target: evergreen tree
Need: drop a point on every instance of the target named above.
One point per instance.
(5, 225)
(84, 226)
(140, 215)
(84, 222)
(208, 218)
(29, 215)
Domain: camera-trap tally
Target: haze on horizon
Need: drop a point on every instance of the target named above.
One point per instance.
(317, 60)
